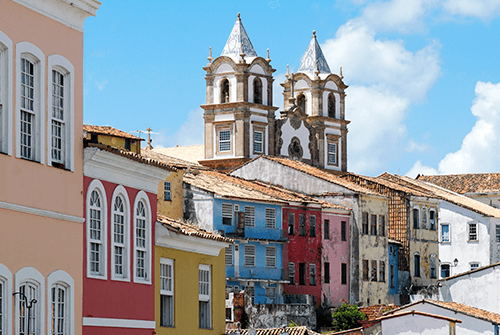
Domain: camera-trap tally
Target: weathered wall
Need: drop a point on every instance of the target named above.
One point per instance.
(198, 207)
(415, 324)
(118, 142)
(274, 316)
(172, 208)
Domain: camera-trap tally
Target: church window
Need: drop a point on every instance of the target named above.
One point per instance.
(332, 148)
(331, 105)
(257, 90)
(301, 102)
(225, 140)
(332, 153)
(224, 91)
(258, 138)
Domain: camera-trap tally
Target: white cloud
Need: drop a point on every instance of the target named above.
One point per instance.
(191, 132)
(418, 168)
(413, 146)
(482, 9)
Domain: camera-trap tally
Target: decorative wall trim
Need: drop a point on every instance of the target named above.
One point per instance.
(41, 212)
(118, 323)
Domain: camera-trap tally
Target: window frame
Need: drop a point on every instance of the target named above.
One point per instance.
(416, 217)
(381, 225)
(256, 142)
(249, 259)
(417, 265)
(142, 196)
(432, 221)
(343, 231)
(373, 224)
(29, 275)
(167, 292)
(471, 234)
(343, 273)
(474, 265)
(366, 270)
(448, 265)
(6, 281)
(291, 225)
(270, 258)
(250, 216)
(326, 229)
(302, 224)
(63, 279)
(312, 274)
(26, 50)
(381, 271)
(167, 191)
(433, 265)
(312, 227)
(63, 66)
(224, 213)
(120, 192)
(205, 298)
(326, 266)
(365, 223)
(373, 272)
(96, 185)
(6, 115)
(441, 233)
(497, 233)
(229, 255)
(332, 150)
(291, 273)
(302, 274)
(270, 218)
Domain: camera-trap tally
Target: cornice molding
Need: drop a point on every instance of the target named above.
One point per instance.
(41, 212)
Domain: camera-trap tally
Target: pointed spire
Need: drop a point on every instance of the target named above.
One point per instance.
(314, 60)
(237, 38)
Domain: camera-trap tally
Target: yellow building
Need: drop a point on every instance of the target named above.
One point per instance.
(190, 279)
(113, 137)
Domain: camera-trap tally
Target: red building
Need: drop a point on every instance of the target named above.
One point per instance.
(120, 202)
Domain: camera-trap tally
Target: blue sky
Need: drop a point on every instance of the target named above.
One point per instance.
(424, 93)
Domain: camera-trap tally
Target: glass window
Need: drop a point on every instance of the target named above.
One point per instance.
(59, 310)
(96, 234)
(474, 265)
(415, 218)
(166, 292)
(312, 225)
(224, 140)
(27, 108)
(119, 240)
(312, 274)
(58, 117)
(167, 191)
(381, 225)
(373, 224)
(416, 265)
(258, 141)
(327, 272)
(445, 233)
(374, 271)
(141, 252)
(381, 270)
(326, 228)
(365, 269)
(291, 224)
(332, 153)
(30, 290)
(291, 273)
(302, 224)
(445, 270)
(433, 266)
(391, 277)
(497, 234)
(204, 296)
(432, 220)
(473, 232)
(365, 223)
(227, 214)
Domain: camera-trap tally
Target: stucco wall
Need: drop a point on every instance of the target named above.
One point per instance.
(415, 324)
(198, 207)
(173, 208)
(274, 316)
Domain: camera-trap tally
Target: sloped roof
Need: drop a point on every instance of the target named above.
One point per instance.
(449, 196)
(456, 307)
(470, 271)
(312, 55)
(130, 155)
(395, 315)
(108, 130)
(318, 173)
(375, 311)
(190, 153)
(300, 330)
(189, 230)
(466, 183)
(354, 331)
(180, 163)
(236, 38)
(364, 180)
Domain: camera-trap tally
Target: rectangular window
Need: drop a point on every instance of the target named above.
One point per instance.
(374, 271)
(332, 153)
(291, 224)
(365, 223)
(227, 214)
(343, 273)
(445, 270)
(326, 228)
(416, 219)
(445, 233)
(127, 144)
(373, 224)
(229, 314)
(416, 265)
(27, 108)
(312, 274)
(423, 218)
(381, 225)
(57, 117)
(166, 292)
(270, 257)
(270, 218)
(224, 140)
(473, 232)
(366, 269)
(391, 276)
(249, 216)
(258, 141)
(229, 255)
(433, 274)
(250, 255)
(302, 273)
(343, 231)
(432, 220)
(327, 272)
(312, 225)
(167, 191)
(497, 233)
(381, 271)
(204, 296)
(474, 265)
(302, 225)
(291, 273)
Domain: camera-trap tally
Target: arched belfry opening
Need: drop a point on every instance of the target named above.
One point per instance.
(257, 90)
(331, 105)
(224, 91)
(301, 102)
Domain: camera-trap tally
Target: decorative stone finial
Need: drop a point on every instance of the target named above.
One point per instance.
(314, 33)
(242, 54)
(268, 59)
(210, 58)
(341, 76)
(287, 75)
(316, 71)
(238, 16)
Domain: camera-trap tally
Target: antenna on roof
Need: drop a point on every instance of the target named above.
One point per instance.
(149, 131)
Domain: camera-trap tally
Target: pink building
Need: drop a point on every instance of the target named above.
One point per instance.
(41, 115)
(119, 190)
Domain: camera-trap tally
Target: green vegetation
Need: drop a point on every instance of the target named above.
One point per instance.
(347, 317)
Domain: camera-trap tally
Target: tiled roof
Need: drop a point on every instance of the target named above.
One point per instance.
(375, 311)
(312, 57)
(234, 43)
(190, 153)
(130, 155)
(354, 331)
(318, 173)
(300, 330)
(395, 315)
(189, 230)
(469, 272)
(108, 130)
(466, 183)
(180, 163)
(365, 181)
(456, 307)
(449, 196)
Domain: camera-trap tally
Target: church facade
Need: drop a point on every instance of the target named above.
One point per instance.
(241, 121)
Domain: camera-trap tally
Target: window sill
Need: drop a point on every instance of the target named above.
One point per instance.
(473, 241)
(167, 327)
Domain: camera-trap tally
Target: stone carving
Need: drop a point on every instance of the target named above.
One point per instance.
(295, 150)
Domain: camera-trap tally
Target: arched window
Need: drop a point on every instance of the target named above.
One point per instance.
(224, 91)
(5, 94)
(96, 230)
(120, 240)
(142, 240)
(5, 300)
(331, 105)
(257, 90)
(433, 266)
(30, 284)
(301, 102)
(60, 303)
(416, 265)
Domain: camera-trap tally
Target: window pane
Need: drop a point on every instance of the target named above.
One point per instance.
(291, 273)
(225, 140)
(445, 233)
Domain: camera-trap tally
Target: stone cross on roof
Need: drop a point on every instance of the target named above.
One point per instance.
(314, 56)
(237, 40)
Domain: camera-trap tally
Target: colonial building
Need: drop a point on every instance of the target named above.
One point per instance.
(240, 121)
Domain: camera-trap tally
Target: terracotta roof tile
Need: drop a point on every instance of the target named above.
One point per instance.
(365, 180)
(354, 331)
(191, 153)
(300, 330)
(466, 183)
(108, 130)
(130, 155)
(189, 230)
(180, 163)
(455, 306)
(375, 311)
(395, 315)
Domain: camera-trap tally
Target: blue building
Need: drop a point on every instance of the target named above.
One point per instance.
(393, 270)
(241, 210)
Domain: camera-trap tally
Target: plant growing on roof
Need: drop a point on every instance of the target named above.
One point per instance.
(347, 317)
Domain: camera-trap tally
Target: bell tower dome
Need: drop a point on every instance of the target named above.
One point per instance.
(320, 94)
(238, 112)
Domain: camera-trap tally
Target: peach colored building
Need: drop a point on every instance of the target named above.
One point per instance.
(41, 202)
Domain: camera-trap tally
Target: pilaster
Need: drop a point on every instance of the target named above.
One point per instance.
(344, 148)
(210, 89)
(241, 87)
(270, 81)
(209, 135)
